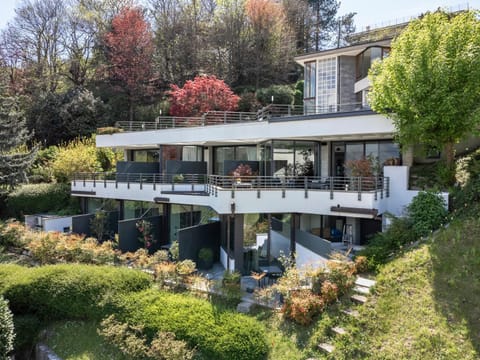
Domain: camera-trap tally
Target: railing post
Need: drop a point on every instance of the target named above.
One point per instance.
(104, 180)
(305, 185)
(387, 187)
(359, 189)
(289, 110)
(141, 182)
(84, 180)
(128, 181)
(331, 188)
(376, 188)
(74, 179)
(224, 117)
(154, 182)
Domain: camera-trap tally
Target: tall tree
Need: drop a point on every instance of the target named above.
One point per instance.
(38, 26)
(15, 159)
(271, 42)
(430, 83)
(129, 47)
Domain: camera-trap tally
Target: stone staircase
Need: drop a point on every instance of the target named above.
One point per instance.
(361, 292)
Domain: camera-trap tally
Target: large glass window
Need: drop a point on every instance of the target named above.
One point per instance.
(310, 80)
(327, 85)
(367, 57)
(145, 155)
(283, 158)
(239, 153)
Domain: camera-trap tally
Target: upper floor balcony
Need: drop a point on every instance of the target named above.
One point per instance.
(350, 196)
(271, 112)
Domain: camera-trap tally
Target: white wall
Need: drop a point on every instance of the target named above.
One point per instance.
(57, 224)
(359, 126)
(223, 260)
(306, 258)
(400, 196)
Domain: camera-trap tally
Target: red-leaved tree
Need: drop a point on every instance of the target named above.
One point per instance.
(130, 48)
(200, 95)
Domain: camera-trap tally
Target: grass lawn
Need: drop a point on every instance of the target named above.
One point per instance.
(427, 303)
(76, 340)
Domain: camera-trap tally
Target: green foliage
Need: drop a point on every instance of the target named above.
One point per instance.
(282, 94)
(216, 335)
(12, 235)
(41, 198)
(27, 328)
(248, 102)
(383, 246)
(205, 254)
(7, 331)
(15, 158)
(429, 83)
(133, 343)
(175, 250)
(298, 95)
(59, 117)
(77, 156)
(67, 291)
(427, 212)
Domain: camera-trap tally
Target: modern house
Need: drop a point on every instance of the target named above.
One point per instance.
(222, 179)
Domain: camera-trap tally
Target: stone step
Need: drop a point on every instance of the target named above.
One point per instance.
(328, 348)
(244, 307)
(364, 282)
(360, 299)
(339, 331)
(351, 312)
(362, 290)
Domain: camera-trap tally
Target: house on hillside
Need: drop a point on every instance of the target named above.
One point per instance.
(253, 186)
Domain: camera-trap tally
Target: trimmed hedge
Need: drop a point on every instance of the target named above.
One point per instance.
(41, 198)
(7, 333)
(216, 334)
(67, 291)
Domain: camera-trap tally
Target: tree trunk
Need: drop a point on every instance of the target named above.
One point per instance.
(450, 162)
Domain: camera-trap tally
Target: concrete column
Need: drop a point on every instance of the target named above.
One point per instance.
(238, 241)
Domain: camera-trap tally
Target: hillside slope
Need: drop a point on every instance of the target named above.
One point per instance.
(426, 303)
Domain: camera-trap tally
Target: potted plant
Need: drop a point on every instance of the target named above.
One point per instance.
(365, 170)
(242, 172)
(205, 258)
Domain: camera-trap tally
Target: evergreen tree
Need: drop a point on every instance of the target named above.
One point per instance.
(15, 159)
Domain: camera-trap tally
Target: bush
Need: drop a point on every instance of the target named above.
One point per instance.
(282, 94)
(7, 333)
(67, 291)
(383, 246)
(302, 306)
(216, 335)
(12, 234)
(41, 198)
(131, 341)
(427, 212)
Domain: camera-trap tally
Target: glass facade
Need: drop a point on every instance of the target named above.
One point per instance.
(295, 158)
(136, 209)
(149, 155)
(327, 85)
(237, 153)
(310, 87)
(367, 57)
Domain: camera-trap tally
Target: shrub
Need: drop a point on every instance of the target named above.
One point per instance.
(282, 94)
(27, 329)
(41, 198)
(216, 335)
(55, 247)
(7, 333)
(302, 306)
(341, 274)
(383, 246)
(12, 234)
(133, 343)
(427, 212)
(67, 291)
(329, 292)
(361, 264)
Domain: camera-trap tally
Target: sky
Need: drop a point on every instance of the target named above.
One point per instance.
(372, 13)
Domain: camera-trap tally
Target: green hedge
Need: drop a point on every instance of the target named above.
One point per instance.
(67, 291)
(216, 334)
(7, 333)
(41, 198)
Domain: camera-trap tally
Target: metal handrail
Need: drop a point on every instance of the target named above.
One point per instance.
(220, 182)
(233, 117)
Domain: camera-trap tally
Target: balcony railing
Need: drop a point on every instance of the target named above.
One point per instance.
(232, 117)
(215, 183)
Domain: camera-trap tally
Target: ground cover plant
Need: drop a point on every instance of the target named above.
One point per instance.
(216, 333)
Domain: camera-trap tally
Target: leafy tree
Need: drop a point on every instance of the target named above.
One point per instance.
(430, 83)
(59, 117)
(202, 94)
(15, 159)
(7, 333)
(129, 47)
(271, 49)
